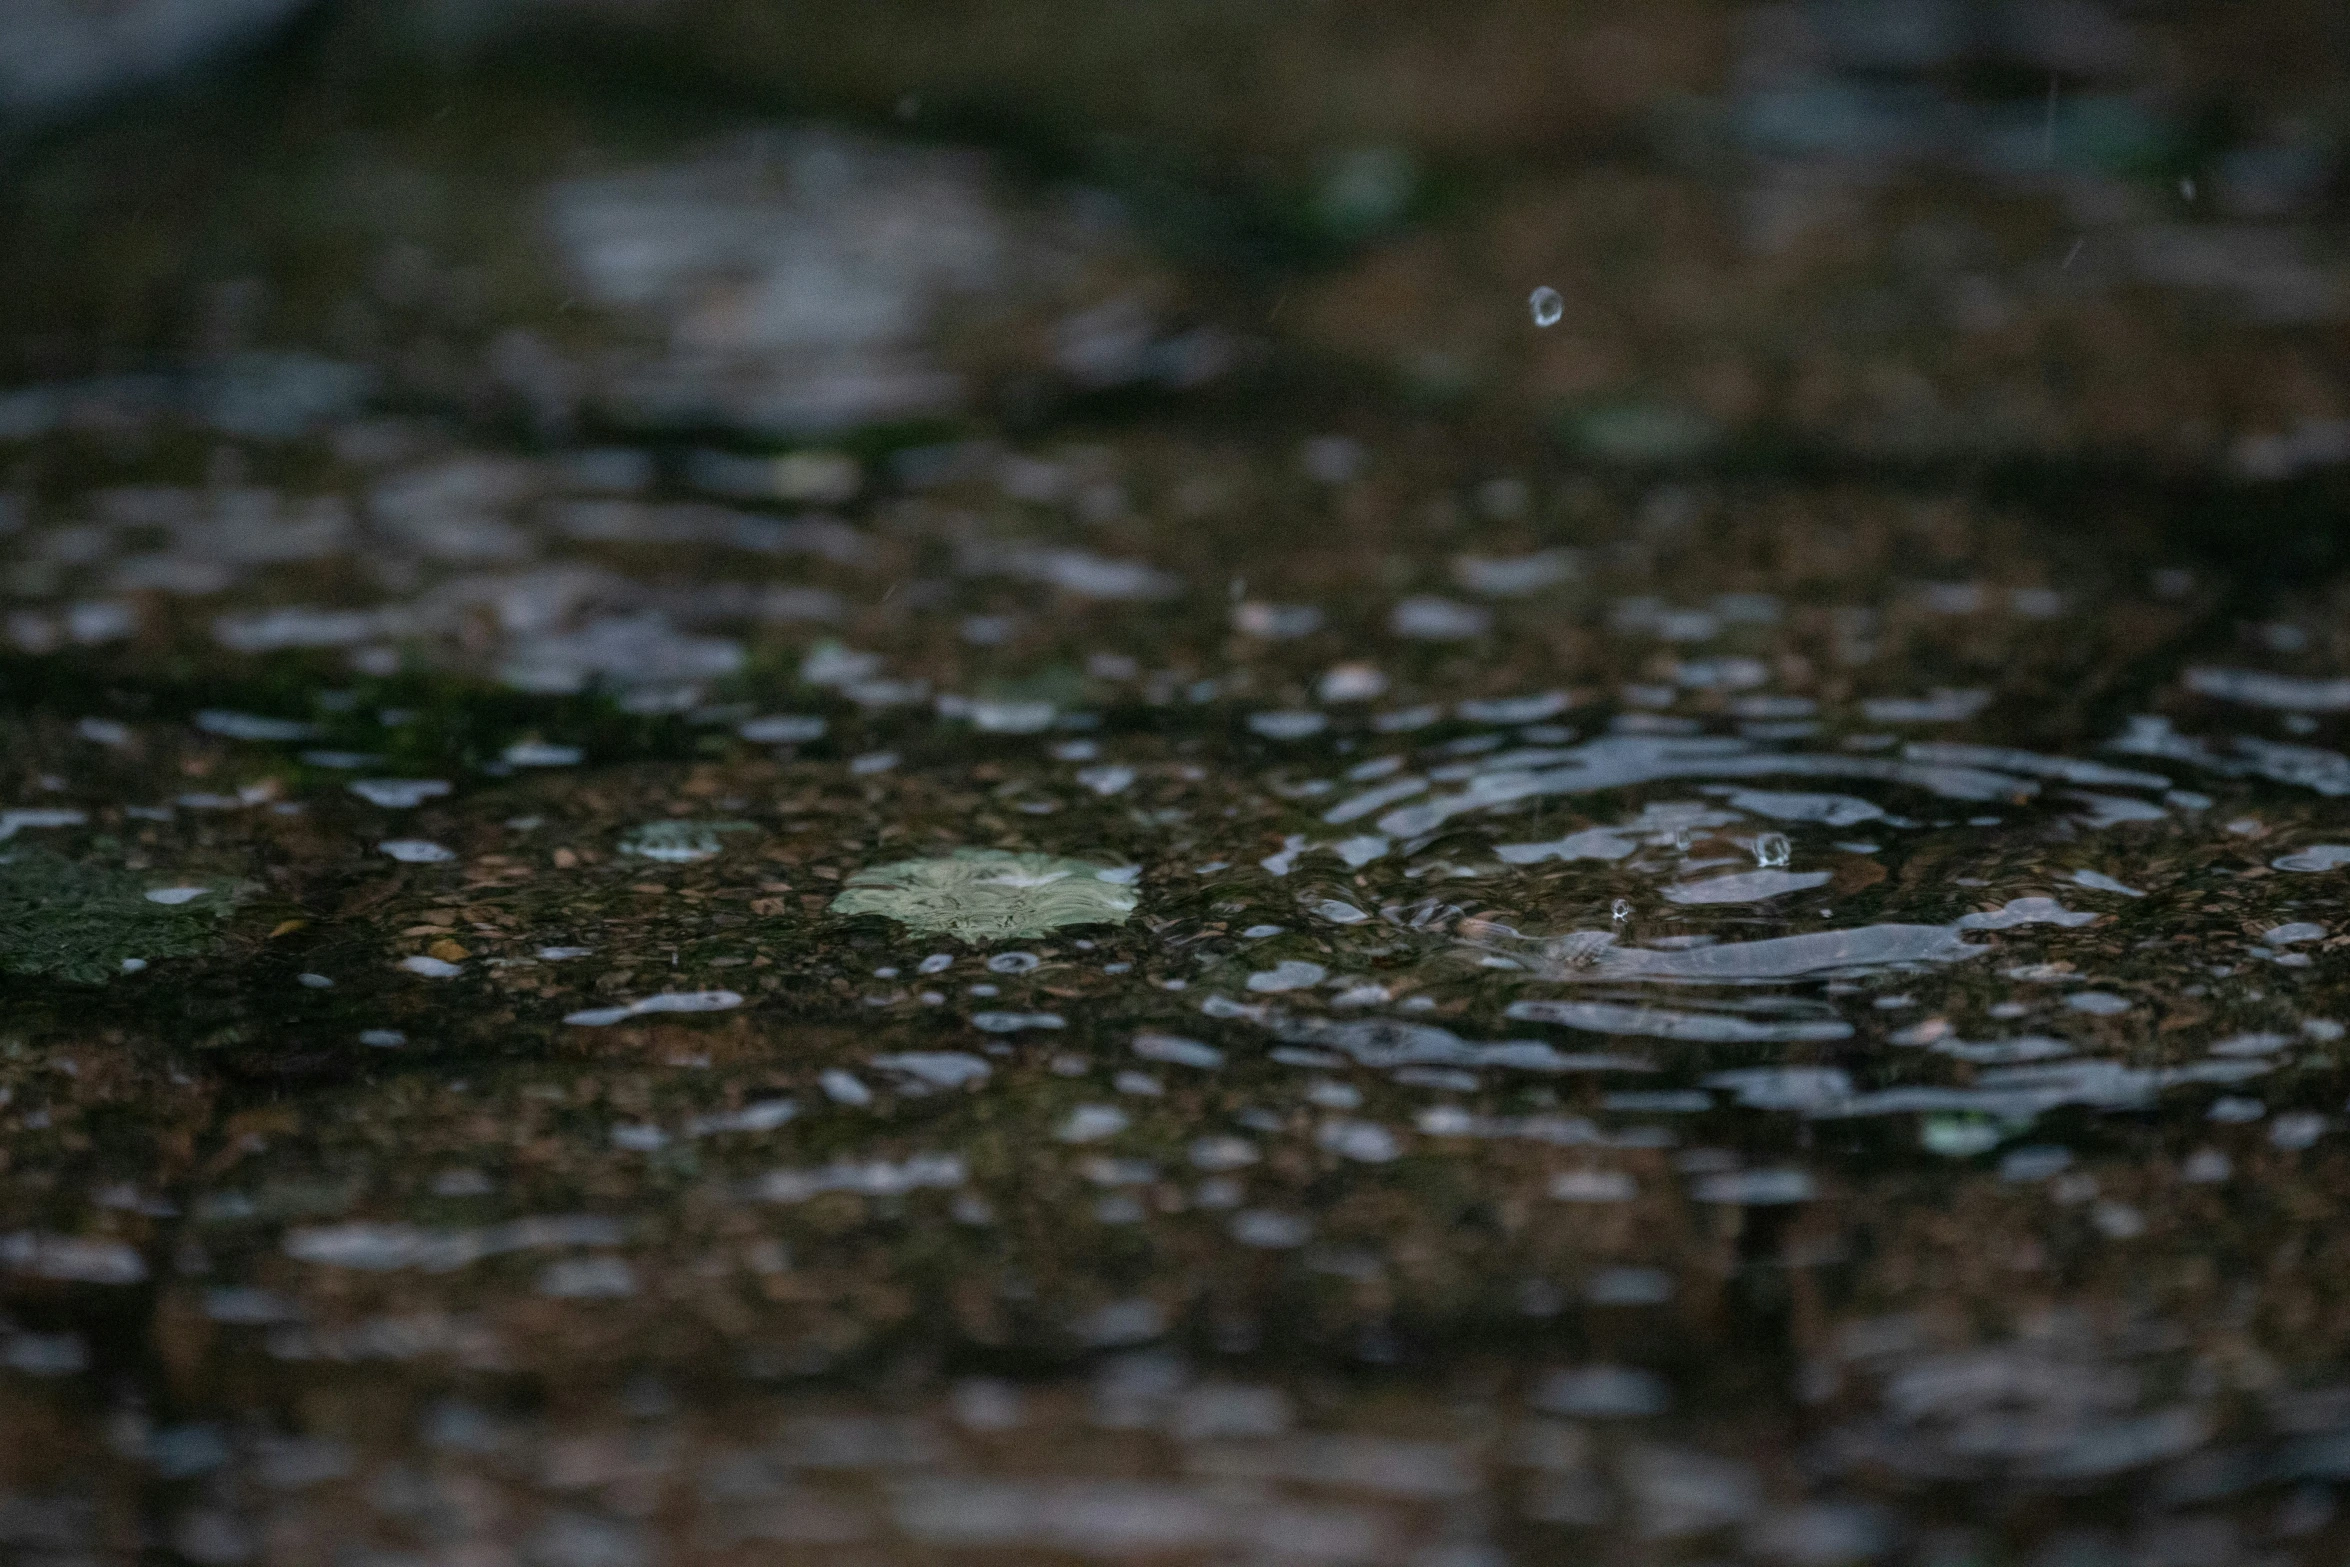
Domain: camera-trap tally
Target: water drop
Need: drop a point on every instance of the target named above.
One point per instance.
(1772, 848)
(1548, 305)
(1620, 910)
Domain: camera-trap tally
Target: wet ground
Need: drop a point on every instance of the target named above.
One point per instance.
(735, 840)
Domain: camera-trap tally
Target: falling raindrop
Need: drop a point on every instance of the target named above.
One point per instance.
(1548, 305)
(1620, 910)
(1772, 848)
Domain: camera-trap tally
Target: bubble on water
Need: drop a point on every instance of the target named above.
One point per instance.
(1620, 910)
(1012, 962)
(1549, 307)
(984, 894)
(678, 842)
(1773, 849)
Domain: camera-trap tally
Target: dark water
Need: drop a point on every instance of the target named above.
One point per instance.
(914, 837)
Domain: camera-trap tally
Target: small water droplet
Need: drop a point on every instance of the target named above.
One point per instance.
(1620, 910)
(1548, 305)
(1772, 848)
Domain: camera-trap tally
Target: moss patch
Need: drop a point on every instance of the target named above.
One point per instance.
(77, 921)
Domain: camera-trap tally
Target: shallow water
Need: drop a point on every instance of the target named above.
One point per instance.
(616, 955)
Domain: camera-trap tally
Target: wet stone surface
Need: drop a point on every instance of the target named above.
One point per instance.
(616, 955)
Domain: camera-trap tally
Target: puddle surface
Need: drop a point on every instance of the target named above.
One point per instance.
(734, 914)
